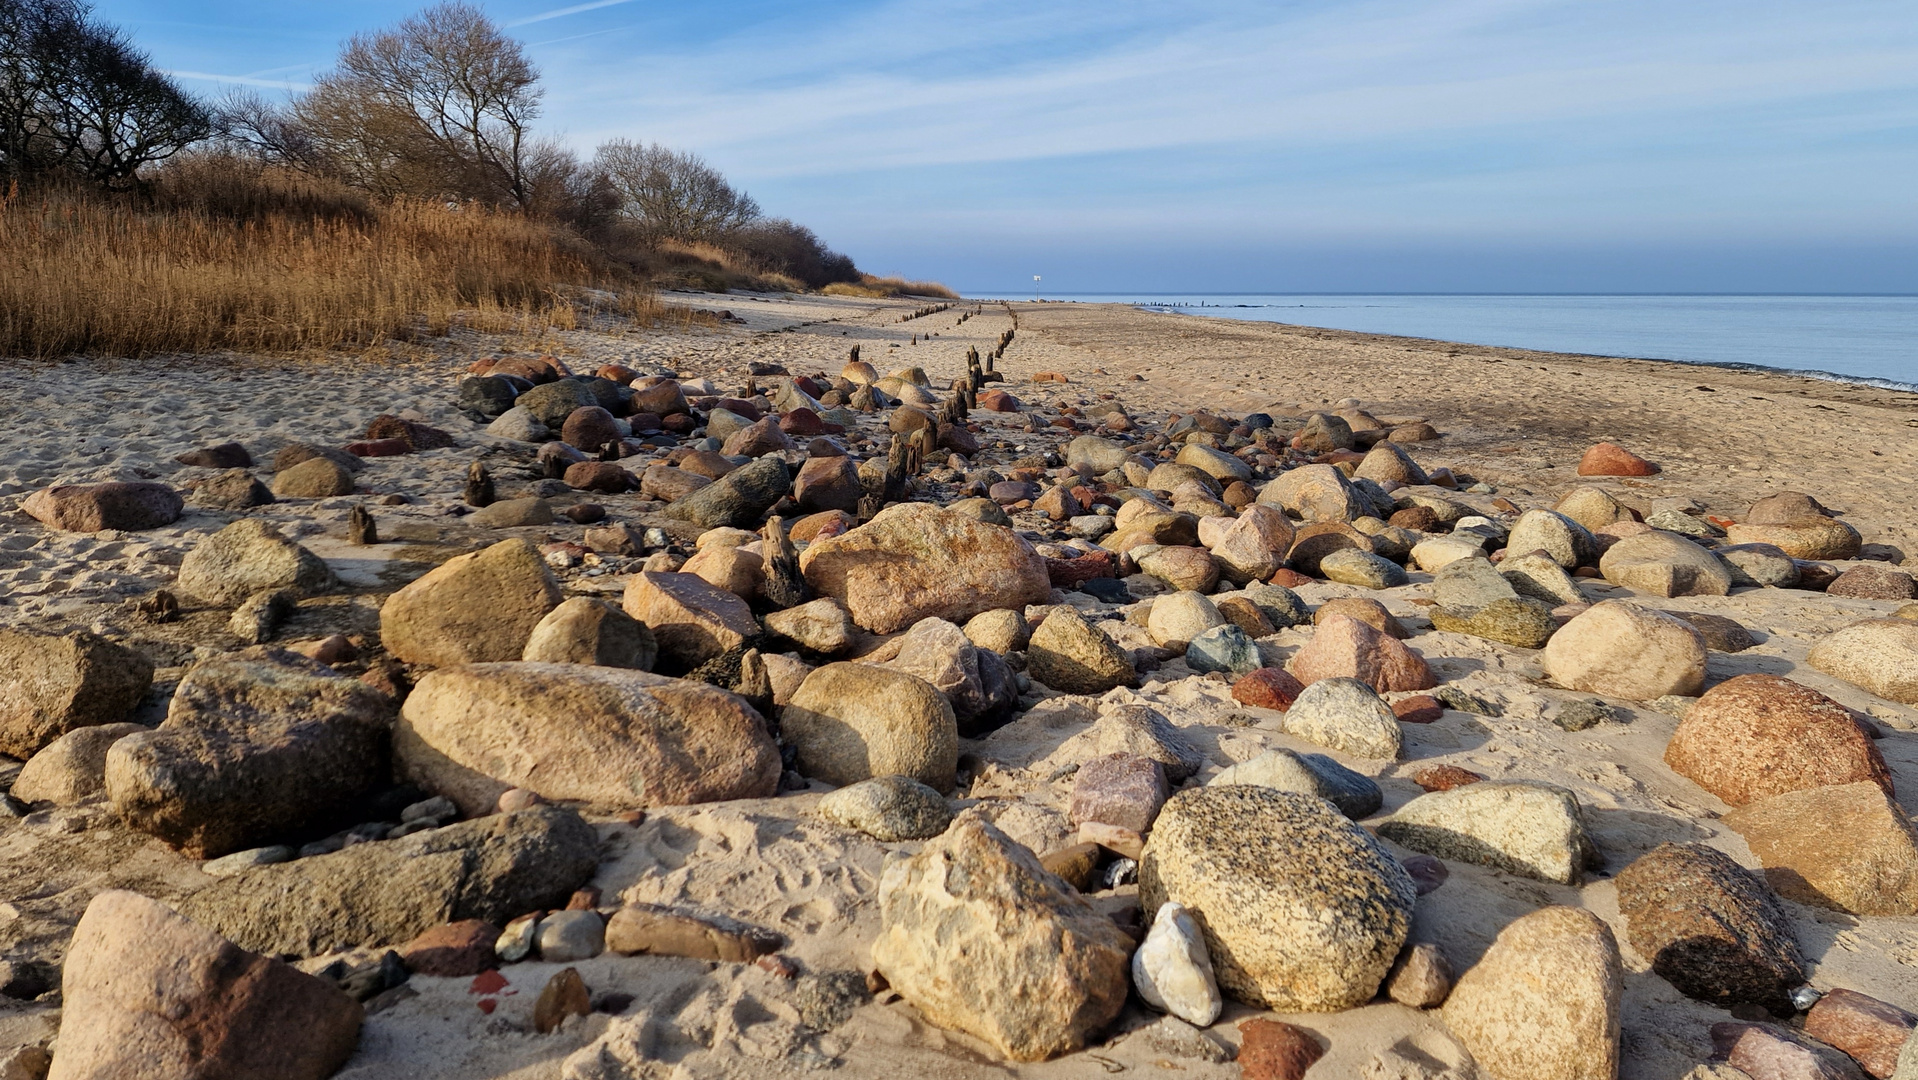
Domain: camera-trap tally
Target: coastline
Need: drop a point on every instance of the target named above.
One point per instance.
(1516, 420)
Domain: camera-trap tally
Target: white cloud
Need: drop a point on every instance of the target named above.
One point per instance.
(240, 80)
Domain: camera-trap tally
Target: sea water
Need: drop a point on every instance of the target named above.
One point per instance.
(1869, 339)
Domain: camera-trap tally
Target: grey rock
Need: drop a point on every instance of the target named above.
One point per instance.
(1145, 732)
(551, 403)
(1281, 606)
(738, 499)
(1301, 909)
(228, 865)
(1565, 541)
(254, 746)
(1350, 566)
(1518, 826)
(1354, 794)
(1223, 648)
(519, 425)
(1540, 578)
(1583, 713)
(1759, 565)
(493, 868)
(889, 808)
(1467, 585)
(1345, 715)
(566, 937)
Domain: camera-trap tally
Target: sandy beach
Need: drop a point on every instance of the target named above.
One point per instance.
(1512, 422)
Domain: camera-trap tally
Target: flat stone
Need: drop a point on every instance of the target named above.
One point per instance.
(1871, 1031)
(611, 738)
(129, 507)
(1771, 1052)
(1664, 564)
(654, 930)
(692, 620)
(1519, 826)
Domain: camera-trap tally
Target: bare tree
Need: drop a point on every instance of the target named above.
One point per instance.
(666, 194)
(77, 97)
(445, 91)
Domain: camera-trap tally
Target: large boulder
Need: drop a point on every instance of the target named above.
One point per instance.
(149, 995)
(1710, 927)
(552, 403)
(1302, 910)
(1543, 1002)
(1622, 650)
(51, 685)
(851, 722)
(1755, 736)
(1665, 564)
(1074, 656)
(131, 506)
(1847, 847)
(71, 768)
(1879, 655)
(739, 499)
(255, 746)
(471, 609)
(495, 868)
(692, 620)
(247, 557)
(607, 737)
(981, 939)
(915, 560)
(1344, 647)
(1519, 826)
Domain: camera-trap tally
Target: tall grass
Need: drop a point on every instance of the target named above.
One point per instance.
(878, 288)
(291, 270)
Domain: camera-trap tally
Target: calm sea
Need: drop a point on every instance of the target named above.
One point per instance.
(1870, 339)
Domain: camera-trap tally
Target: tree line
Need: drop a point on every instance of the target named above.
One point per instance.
(440, 106)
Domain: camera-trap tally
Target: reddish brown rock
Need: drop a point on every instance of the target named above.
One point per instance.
(453, 950)
(1119, 789)
(827, 483)
(1267, 688)
(666, 483)
(1275, 1050)
(1873, 581)
(150, 995)
(1069, 573)
(415, 435)
(998, 401)
(379, 448)
(1871, 1031)
(819, 526)
(692, 619)
(94, 507)
(1289, 578)
(1611, 459)
(589, 428)
(1416, 518)
(1444, 777)
(602, 476)
(1770, 1052)
(1755, 736)
(757, 440)
(1710, 927)
(1418, 709)
(1346, 648)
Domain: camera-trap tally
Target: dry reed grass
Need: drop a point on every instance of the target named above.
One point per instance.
(82, 274)
(878, 288)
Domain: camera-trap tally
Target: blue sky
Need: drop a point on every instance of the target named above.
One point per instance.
(1396, 145)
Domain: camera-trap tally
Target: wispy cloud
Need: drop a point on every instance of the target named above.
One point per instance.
(560, 13)
(240, 80)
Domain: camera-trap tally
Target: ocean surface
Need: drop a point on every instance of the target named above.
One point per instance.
(1868, 339)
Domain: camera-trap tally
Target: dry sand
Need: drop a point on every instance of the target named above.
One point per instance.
(1517, 420)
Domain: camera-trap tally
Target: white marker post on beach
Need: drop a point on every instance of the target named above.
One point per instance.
(1035, 288)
